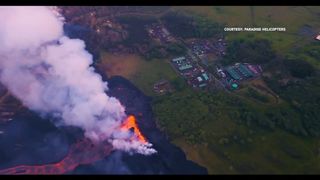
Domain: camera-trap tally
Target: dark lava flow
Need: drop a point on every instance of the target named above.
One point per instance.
(32, 140)
(169, 159)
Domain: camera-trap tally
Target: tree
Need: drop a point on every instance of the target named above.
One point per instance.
(299, 68)
(256, 52)
(184, 26)
(179, 84)
(176, 49)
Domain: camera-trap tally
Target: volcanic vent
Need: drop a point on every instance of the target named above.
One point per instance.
(83, 152)
(53, 75)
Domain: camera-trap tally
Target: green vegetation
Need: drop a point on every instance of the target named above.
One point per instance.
(243, 132)
(179, 84)
(304, 97)
(309, 52)
(150, 72)
(256, 52)
(232, 127)
(165, 51)
(168, 110)
(176, 49)
(156, 52)
(299, 68)
(313, 50)
(185, 113)
(256, 95)
(236, 135)
(181, 25)
(135, 26)
(292, 17)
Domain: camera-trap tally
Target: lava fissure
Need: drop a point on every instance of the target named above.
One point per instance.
(82, 152)
(132, 123)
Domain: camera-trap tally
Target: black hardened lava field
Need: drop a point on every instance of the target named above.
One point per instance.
(157, 90)
(51, 150)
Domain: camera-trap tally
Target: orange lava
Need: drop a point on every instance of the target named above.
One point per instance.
(131, 122)
(80, 153)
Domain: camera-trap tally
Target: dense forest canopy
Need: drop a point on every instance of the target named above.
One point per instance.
(183, 26)
(299, 68)
(257, 52)
(298, 113)
(135, 26)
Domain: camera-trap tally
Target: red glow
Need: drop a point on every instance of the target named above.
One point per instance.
(129, 123)
(80, 153)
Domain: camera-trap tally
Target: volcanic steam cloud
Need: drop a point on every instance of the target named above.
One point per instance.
(51, 74)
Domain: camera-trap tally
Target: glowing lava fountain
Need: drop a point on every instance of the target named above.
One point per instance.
(82, 152)
(131, 124)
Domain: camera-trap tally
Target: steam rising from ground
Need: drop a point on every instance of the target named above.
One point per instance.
(51, 74)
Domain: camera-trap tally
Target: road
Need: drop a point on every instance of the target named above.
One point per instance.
(190, 53)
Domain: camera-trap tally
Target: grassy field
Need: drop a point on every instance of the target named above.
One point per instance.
(309, 52)
(272, 98)
(275, 152)
(139, 71)
(291, 17)
(227, 146)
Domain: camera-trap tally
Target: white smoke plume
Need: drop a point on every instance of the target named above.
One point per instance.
(51, 74)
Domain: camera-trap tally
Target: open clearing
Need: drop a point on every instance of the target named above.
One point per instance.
(141, 72)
